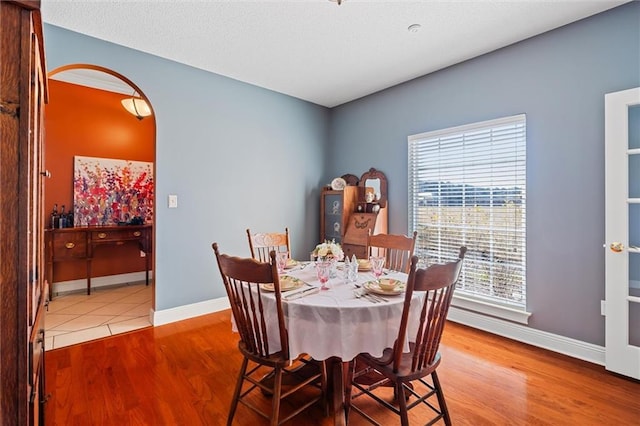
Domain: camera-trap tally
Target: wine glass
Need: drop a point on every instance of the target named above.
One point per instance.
(377, 263)
(281, 261)
(323, 270)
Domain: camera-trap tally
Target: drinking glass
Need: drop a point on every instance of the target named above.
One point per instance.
(323, 270)
(281, 261)
(377, 263)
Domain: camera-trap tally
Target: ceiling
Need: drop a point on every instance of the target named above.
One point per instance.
(317, 50)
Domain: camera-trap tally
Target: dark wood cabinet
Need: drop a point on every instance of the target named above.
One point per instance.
(22, 286)
(84, 243)
(335, 209)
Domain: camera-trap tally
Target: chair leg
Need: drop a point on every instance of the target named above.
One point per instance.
(324, 387)
(277, 393)
(441, 401)
(402, 404)
(348, 380)
(236, 392)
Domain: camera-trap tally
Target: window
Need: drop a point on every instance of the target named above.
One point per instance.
(467, 186)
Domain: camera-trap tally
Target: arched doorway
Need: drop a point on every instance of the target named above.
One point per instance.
(86, 119)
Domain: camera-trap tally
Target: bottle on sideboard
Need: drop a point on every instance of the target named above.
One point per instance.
(70, 219)
(54, 218)
(63, 218)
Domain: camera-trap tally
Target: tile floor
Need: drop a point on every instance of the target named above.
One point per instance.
(75, 317)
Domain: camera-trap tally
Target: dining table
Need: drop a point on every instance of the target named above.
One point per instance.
(350, 317)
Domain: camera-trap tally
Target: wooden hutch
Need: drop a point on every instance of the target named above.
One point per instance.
(348, 215)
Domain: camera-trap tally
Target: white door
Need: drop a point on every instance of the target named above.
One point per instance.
(622, 232)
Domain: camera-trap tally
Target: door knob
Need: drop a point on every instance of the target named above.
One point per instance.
(616, 247)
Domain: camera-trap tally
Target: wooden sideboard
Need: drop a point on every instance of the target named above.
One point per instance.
(80, 243)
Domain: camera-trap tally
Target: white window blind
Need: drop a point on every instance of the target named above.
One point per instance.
(467, 186)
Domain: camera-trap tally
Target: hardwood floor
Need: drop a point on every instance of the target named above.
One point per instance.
(184, 373)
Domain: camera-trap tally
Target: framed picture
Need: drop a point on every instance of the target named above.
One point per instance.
(109, 191)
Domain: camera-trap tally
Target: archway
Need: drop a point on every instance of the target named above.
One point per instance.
(86, 119)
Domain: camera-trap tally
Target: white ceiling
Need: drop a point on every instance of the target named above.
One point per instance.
(317, 50)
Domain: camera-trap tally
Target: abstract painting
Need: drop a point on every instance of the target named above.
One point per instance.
(110, 192)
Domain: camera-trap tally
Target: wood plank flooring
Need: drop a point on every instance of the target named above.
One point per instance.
(184, 373)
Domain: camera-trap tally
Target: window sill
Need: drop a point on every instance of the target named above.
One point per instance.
(493, 310)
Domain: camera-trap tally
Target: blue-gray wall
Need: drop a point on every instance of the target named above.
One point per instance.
(239, 156)
(558, 79)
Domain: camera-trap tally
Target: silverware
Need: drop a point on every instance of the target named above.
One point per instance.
(363, 293)
(301, 293)
(379, 298)
(360, 294)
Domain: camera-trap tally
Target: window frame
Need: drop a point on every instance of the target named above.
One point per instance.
(464, 134)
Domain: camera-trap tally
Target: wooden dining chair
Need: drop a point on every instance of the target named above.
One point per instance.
(260, 244)
(397, 249)
(243, 279)
(407, 372)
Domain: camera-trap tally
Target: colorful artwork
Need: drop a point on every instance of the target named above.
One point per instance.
(108, 192)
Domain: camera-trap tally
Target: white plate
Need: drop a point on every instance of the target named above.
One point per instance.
(338, 184)
(373, 287)
(287, 283)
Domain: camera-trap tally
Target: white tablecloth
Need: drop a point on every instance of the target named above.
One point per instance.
(335, 323)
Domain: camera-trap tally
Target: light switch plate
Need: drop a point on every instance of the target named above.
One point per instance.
(173, 201)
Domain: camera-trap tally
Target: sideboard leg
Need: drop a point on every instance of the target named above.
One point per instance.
(88, 276)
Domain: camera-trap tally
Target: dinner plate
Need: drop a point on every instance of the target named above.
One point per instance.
(287, 283)
(373, 287)
(291, 263)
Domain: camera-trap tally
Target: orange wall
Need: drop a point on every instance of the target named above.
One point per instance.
(92, 123)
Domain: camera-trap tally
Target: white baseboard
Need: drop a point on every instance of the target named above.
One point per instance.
(180, 313)
(553, 342)
(96, 282)
(542, 339)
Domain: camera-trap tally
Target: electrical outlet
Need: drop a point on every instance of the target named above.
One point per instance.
(173, 201)
(603, 307)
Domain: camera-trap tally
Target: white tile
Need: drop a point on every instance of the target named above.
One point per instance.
(108, 297)
(57, 305)
(85, 321)
(138, 310)
(80, 336)
(81, 308)
(54, 332)
(48, 343)
(52, 321)
(77, 317)
(140, 297)
(114, 309)
(72, 297)
(129, 325)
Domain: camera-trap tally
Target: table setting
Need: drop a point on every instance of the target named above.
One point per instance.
(343, 315)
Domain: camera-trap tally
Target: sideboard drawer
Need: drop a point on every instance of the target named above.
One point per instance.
(69, 246)
(116, 235)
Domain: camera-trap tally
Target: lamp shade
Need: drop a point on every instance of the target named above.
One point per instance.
(137, 107)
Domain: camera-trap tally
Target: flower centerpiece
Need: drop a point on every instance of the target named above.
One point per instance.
(328, 250)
